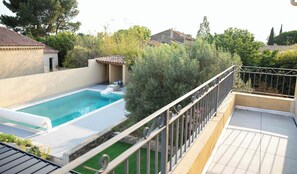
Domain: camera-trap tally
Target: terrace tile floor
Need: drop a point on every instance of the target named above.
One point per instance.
(257, 142)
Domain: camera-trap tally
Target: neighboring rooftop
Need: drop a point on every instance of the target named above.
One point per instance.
(279, 48)
(49, 50)
(11, 38)
(13, 160)
(111, 60)
(170, 35)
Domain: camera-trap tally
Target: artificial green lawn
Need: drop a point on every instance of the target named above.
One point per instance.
(115, 150)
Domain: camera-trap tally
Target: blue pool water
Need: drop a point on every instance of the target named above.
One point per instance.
(67, 108)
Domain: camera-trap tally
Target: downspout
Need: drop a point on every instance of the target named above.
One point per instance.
(293, 3)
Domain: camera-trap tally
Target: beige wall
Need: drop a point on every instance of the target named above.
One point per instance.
(195, 159)
(265, 102)
(295, 107)
(115, 73)
(15, 63)
(28, 88)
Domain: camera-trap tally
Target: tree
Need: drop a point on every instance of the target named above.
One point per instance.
(38, 18)
(271, 37)
(211, 60)
(63, 42)
(281, 29)
(240, 42)
(163, 74)
(67, 11)
(204, 30)
(129, 43)
(286, 38)
(167, 72)
(86, 47)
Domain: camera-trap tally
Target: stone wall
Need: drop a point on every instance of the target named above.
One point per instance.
(90, 145)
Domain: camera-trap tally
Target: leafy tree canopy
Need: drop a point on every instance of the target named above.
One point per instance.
(166, 72)
(63, 42)
(241, 42)
(129, 43)
(286, 38)
(286, 59)
(38, 18)
(163, 74)
(86, 47)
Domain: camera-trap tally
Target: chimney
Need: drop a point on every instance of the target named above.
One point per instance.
(171, 33)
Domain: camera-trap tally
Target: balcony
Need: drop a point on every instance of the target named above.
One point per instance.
(242, 120)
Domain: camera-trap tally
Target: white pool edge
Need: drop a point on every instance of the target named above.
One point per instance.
(44, 132)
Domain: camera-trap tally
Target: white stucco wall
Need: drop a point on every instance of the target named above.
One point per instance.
(23, 62)
(46, 58)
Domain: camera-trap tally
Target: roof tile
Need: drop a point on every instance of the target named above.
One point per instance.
(12, 38)
(111, 60)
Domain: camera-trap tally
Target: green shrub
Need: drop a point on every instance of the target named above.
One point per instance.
(286, 59)
(25, 145)
(86, 47)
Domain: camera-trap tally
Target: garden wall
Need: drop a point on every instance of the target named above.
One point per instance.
(23, 89)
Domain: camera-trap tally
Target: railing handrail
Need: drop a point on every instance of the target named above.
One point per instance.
(75, 163)
(257, 67)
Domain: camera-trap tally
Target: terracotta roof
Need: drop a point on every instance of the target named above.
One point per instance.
(111, 60)
(49, 50)
(279, 48)
(186, 36)
(10, 38)
(171, 35)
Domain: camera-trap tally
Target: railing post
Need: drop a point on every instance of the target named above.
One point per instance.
(232, 77)
(164, 144)
(295, 98)
(218, 95)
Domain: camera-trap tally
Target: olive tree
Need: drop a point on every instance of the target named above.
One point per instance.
(166, 72)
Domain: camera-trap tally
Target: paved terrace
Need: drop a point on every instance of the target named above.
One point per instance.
(256, 142)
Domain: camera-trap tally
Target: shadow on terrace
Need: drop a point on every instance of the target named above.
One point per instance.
(238, 121)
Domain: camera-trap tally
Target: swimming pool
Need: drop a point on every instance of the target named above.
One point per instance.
(67, 108)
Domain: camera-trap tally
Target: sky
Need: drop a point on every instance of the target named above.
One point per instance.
(257, 16)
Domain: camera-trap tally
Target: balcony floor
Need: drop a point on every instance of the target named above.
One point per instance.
(256, 142)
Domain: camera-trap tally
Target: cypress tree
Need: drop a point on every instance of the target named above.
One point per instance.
(271, 37)
(281, 30)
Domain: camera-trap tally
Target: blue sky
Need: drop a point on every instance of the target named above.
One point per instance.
(258, 16)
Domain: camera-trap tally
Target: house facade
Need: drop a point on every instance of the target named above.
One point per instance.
(20, 55)
(50, 59)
